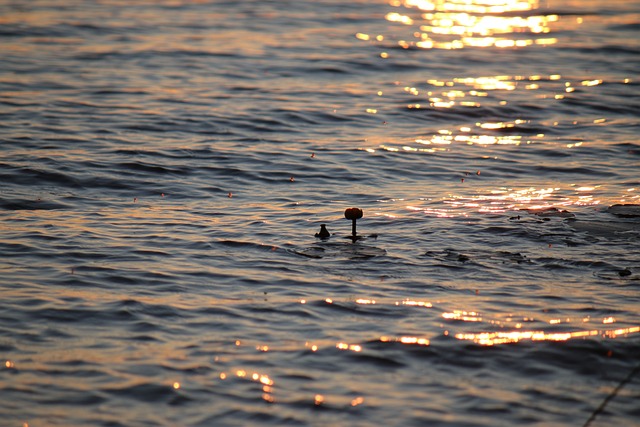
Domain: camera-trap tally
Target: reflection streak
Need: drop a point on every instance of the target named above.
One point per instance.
(465, 316)
(406, 340)
(456, 24)
(501, 200)
(262, 379)
(497, 338)
(352, 347)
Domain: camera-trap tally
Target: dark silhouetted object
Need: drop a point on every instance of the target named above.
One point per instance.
(353, 214)
(324, 233)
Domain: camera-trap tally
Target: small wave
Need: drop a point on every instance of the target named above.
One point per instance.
(38, 204)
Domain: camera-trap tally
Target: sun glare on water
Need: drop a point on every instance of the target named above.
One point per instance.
(455, 24)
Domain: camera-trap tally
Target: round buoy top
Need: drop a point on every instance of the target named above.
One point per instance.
(353, 213)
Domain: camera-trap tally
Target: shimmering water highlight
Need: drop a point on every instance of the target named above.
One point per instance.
(165, 166)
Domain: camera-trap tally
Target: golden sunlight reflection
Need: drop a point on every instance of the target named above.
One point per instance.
(406, 340)
(465, 316)
(468, 93)
(456, 24)
(357, 401)
(351, 347)
(263, 380)
(496, 338)
(414, 303)
(502, 200)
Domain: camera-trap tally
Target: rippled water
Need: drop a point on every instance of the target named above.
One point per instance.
(165, 166)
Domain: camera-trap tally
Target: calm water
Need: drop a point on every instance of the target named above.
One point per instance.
(165, 166)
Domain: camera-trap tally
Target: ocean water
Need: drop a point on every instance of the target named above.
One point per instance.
(165, 165)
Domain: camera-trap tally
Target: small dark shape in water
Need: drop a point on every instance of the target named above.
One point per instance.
(516, 257)
(452, 255)
(551, 212)
(624, 273)
(323, 233)
(625, 211)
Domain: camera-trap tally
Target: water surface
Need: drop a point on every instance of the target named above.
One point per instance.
(166, 165)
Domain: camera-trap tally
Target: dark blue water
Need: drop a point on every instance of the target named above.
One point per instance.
(165, 166)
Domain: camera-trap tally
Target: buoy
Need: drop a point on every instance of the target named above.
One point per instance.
(323, 233)
(353, 214)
